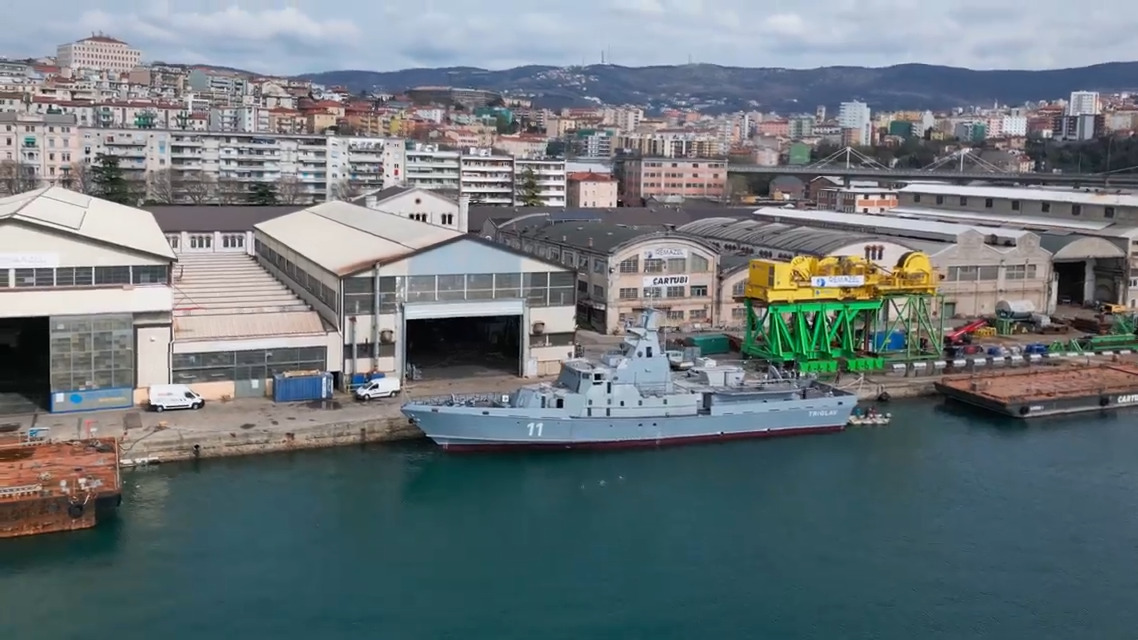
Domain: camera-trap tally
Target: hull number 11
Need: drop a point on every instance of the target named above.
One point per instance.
(534, 429)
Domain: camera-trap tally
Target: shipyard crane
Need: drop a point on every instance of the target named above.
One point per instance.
(825, 312)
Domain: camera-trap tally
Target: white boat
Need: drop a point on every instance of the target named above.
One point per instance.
(139, 462)
(875, 420)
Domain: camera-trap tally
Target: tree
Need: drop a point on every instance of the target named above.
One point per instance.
(229, 191)
(109, 183)
(197, 188)
(345, 190)
(16, 177)
(289, 190)
(737, 186)
(263, 194)
(77, 178)
(528, 193)
(555, 148)
(160, 187)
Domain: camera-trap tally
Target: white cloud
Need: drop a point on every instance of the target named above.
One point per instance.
(313, 35)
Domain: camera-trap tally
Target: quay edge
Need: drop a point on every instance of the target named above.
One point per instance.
(246, 428)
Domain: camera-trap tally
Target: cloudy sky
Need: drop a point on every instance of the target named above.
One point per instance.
(295, 36)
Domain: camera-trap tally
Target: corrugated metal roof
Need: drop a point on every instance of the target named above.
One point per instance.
(226, 296)
(1037, 194)
(344, 238)
(656, 213)
(798, 239)
(250, 325)
(92, 218)
(990, 219)
(886, 224)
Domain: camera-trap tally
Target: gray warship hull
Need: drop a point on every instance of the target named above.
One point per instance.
(474, 428)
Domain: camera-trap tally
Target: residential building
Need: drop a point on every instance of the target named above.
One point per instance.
(218, 167)
(592, 190)
(856, 122)
(800, 127)
(98, 52)
(430, 167)
(858, 199)
(1014, 126)
(1078, 128)
(37, 150)
(487, 178)
(1084, 103)
(650, 177)
(548, 174)
(971, 131)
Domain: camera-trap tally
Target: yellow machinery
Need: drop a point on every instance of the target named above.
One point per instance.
(806, 278)
(819, 312)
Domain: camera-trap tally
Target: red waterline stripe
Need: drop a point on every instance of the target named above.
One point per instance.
(636, 444)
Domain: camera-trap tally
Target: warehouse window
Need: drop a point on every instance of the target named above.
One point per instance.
(1015, 272)
(255, 364)
(629, 294)
(112, 275)
(154, 274)
(737, 290)
(653, 265)
(630, 265)
(699, 264)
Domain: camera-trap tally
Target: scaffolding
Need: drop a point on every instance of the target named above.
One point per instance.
(842, 312)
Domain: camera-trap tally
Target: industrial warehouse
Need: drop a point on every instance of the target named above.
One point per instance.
(696, 272)
(99, 305)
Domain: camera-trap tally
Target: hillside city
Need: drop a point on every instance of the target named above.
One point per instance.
(184, 134)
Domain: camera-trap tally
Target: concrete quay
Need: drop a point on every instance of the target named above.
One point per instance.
(256, 426)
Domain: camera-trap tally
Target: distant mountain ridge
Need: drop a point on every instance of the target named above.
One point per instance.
(719, 88)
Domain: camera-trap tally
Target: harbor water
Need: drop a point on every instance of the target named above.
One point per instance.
(945, 524)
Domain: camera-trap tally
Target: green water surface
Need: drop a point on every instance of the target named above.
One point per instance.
(944, 525)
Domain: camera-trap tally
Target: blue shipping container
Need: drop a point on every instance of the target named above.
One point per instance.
(302, 388)
(889, 341)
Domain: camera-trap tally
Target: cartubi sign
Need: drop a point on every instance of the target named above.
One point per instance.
(666, 281)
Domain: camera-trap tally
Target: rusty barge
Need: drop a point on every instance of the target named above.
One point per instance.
(1046, 391)
(50, 486)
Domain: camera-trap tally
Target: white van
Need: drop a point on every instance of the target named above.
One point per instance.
(378, 388)
(174, 396)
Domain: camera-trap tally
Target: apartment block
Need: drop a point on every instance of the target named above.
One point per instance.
(220, 167)
(550, 176)
(486, 178)
(98, 52)
(590, 190)
(37, 150)
(430, 167)
(662, 177)
(858, 199)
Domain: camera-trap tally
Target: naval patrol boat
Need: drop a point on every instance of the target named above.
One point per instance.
(632, 398)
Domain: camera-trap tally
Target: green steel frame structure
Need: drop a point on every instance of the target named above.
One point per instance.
(828, 336)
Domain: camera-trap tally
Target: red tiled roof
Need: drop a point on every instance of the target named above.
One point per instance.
(589, 176)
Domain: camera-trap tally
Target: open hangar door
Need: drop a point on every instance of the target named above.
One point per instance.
(1071, 288)
(464, 339)
(24, 365)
